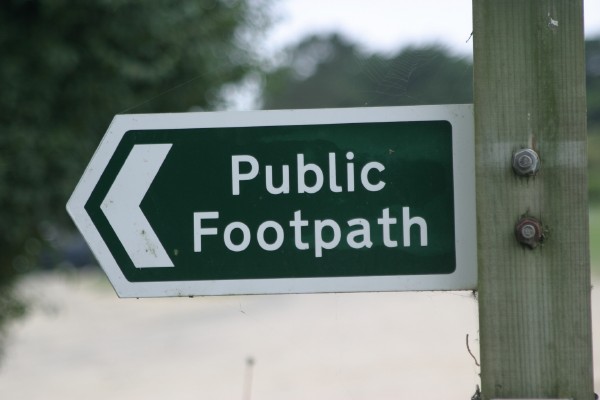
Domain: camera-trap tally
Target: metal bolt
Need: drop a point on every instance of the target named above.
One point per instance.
(526, 162)
(529, 232)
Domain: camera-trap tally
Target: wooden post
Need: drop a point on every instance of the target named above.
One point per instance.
(529, 92)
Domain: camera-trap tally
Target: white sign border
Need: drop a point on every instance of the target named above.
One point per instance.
(463, 156)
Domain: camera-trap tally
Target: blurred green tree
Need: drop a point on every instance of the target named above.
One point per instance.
(592, 69)
(329, 71)
(68, 66)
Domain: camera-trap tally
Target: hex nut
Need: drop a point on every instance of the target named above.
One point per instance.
(526, 162)
(529, 232)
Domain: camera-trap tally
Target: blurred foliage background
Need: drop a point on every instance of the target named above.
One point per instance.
(68, 67)
(328, 71)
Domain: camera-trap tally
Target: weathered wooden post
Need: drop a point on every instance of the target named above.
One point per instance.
(534, 296)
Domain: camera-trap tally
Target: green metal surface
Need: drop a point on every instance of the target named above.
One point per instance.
(196, 176)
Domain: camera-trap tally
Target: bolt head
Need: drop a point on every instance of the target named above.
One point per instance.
(529, 232)
(526, 162)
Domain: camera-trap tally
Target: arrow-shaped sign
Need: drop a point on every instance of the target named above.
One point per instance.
(338, 200)
(122, 206)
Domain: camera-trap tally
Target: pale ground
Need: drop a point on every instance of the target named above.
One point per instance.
(82, 342)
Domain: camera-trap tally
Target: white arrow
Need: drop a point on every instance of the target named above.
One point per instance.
(122, 206)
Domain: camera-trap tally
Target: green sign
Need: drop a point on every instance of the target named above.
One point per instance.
(280, 201)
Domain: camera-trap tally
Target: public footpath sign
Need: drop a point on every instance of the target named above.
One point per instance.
(297, 201)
